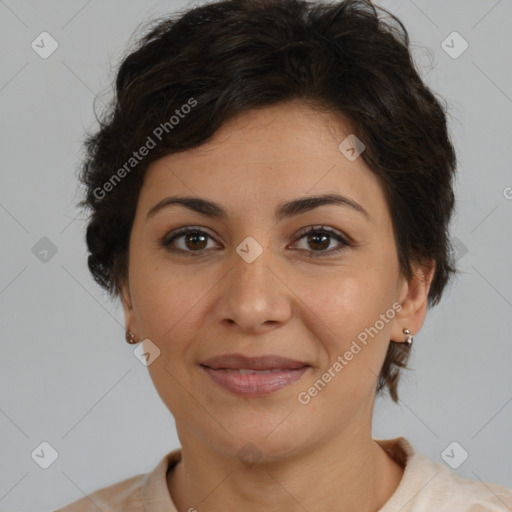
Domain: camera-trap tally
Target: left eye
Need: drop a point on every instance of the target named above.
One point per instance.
(321, 238)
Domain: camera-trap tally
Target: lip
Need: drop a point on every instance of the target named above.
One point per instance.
(265, 362)
(280, 372)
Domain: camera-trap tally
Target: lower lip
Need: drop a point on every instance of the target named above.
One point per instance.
(254, 384)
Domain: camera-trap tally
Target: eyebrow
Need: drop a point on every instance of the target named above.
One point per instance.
(284, 210)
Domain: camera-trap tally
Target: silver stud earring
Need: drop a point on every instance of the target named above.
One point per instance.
(130, 338)
(409, 338)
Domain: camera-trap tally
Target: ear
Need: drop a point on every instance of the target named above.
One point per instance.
(413, 296)
(129, 313)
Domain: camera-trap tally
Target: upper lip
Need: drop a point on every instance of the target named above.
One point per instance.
(240, 362)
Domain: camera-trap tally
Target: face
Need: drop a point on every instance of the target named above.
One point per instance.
(252, 278)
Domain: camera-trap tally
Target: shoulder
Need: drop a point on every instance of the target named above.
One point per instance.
(123, 495)
(428, 485)
(141, 492)
(455, 493)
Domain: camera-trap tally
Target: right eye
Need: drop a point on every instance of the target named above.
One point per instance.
(194, 240)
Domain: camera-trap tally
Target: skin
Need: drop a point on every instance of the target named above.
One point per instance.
(291, 301)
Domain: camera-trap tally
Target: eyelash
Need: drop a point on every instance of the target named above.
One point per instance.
(167, 240)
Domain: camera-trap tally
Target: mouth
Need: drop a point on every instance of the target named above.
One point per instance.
(254, 376)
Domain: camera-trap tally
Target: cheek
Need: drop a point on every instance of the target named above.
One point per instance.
(165, 300)
(168, 304)
(346, 317)
(347, 300)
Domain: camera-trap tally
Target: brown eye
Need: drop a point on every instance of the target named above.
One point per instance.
(195, 241)
(319, 239)
(192, 240)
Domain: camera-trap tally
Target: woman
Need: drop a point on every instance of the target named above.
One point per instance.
(270, 197)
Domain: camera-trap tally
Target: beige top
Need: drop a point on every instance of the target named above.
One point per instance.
(426, 486)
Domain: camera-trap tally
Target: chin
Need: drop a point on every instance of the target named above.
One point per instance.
(266, 438)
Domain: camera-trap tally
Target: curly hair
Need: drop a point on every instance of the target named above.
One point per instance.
(218, 60)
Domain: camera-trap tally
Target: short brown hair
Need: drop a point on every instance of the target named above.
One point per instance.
(348, 57)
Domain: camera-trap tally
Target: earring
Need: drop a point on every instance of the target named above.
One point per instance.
(130, 338)
(409, 338)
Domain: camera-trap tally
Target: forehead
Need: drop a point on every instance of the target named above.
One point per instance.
(265, 156)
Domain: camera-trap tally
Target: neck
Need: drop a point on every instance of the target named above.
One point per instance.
(353, 474)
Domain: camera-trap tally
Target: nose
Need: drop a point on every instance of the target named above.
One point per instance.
(254, 297)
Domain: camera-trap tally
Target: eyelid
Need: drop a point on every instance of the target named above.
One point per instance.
(322, 227)
(169, 237)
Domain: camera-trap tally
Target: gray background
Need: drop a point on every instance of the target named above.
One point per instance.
(69, 378)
